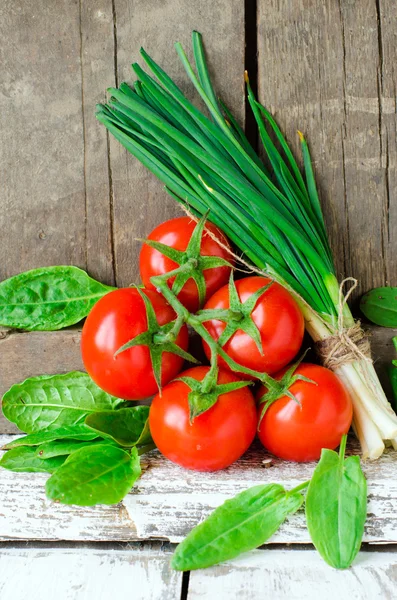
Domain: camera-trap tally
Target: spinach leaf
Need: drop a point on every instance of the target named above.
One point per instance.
(240, 524)
(52, 401)
(25, 460)
(101, 474)
(380, 306)
(76, 432)
(336, 507)
(49, 298)
(64, 447)
(126, 426)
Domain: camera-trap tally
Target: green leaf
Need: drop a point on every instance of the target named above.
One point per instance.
(240, 524)
(74, 432)
(95, 475)
(127, 426)
(380, 306)
(336, 508)
(25, 460)
(49, 298)
(65, 447)
(52, 401)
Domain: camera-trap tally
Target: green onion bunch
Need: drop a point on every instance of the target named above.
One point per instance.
(272, 216)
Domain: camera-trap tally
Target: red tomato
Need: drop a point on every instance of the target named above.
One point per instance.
(216, 438)
(276, 315)
(115, 319)
(176, 233)
(299, 432)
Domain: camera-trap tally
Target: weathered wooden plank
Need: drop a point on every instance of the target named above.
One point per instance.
(169, 501)
(97, 64)
(42, 213)
(300, 79)
(321, 69)
(80, 573)
(139, 201)
(297, 575)
(364, 173)
(24, 354)
(387, 39)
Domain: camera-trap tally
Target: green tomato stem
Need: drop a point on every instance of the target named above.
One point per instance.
(211, 379)
(160, 282)
(171, 335)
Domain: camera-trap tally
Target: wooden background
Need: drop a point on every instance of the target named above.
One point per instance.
(71, 195)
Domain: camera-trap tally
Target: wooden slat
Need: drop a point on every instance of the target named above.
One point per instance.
(138, 198)
(81, 573)
(42, 215)
(169, 501)
(297, 575)
(364, 157)
(97, 65)
(25, 354)
(327, 69)
(387, 27)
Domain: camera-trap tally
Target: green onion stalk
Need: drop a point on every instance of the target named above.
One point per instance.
(271, 213)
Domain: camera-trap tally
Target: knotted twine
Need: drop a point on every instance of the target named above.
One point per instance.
(348, 344)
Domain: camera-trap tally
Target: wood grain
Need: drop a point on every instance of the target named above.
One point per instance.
(26, 354)
(97, 73)
(139, 201)
(168, 501)
(42, 216)
(297, 575)
(327, 68)
(387, 38)
(80, 573)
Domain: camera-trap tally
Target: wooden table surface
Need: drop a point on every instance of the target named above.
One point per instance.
(71, 195)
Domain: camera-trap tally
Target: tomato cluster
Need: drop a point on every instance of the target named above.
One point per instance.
(135, 342)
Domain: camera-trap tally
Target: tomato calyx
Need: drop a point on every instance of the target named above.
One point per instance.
(158, 338)
(192, 262)
(237, 316)
(204, 394)
(281, 387)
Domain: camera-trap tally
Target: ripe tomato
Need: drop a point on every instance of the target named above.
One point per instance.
(115, 319)
(299, 432)
(277, 317)
(176, 233)
(216, 438)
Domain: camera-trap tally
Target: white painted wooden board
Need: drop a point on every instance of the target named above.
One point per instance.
(297, 575)
(87, 573)
(143, 573)
(168, 501)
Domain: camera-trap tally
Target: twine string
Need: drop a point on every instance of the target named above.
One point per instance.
(348, 344)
